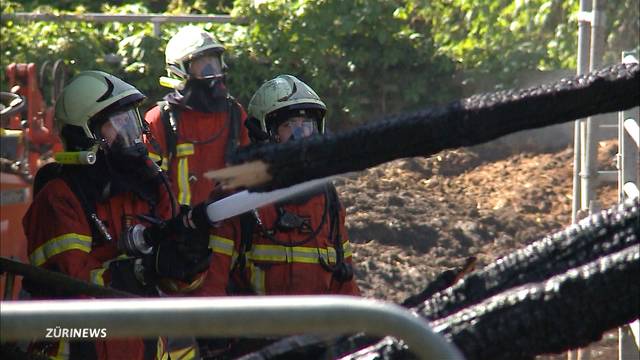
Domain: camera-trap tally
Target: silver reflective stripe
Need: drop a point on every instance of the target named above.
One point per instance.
(96, 276)
(59, 244)
(156, 158)
(257, 280)
(220, 245)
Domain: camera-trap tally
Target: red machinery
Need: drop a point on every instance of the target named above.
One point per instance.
(27, 142)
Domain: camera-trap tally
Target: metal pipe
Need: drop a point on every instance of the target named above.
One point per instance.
(584, 30)
(52, 281)
(226, 317)
(98, 17)
(584, 43)
(590, 146)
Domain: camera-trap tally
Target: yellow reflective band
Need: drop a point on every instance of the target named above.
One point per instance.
(95, 276)
(164, 165)
(188, 353)
(58, 245)
(234, 258)
(62, 353)
(11, 133)
(257, 279)
(161, 353)
(295, 254)
(155, 157)
(220, 245)
(184, 190)
(185, 149)
(346, 246)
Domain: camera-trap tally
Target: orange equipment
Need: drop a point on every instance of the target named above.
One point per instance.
(27, 142)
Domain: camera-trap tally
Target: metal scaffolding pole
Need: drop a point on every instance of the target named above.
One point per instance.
(584, 42)
(628, 181)
(589, 143)
(155, 19)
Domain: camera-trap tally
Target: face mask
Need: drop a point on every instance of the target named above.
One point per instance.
(126, 157)
(206, 95)
(131, 169)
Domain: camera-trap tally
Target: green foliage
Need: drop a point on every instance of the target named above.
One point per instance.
(357, 55)
(501, 38)
(365, 58)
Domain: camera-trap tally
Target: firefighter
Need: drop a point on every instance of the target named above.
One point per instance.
(199, 125)
(195, 129)
(300, 246)
(82, 218)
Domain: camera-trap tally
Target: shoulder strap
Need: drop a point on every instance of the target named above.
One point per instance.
(169, 116)
(248, 223)
(234, 129)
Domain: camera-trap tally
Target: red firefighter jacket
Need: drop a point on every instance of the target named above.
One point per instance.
(60, 238)
(289, 266)
(200, 147)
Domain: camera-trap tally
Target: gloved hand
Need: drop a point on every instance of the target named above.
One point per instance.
(193, 243)
(168, 261)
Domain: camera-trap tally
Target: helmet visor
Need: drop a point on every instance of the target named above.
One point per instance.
(297, 128)
(206, 66)
(121, 129)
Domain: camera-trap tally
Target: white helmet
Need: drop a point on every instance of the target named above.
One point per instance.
(189, 43)
(282, 94)
(93, 96)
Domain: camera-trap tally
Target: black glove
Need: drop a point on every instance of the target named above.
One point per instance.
(167, 261)
(193, 243)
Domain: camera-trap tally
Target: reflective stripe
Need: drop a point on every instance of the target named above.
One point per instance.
(62, 353)
(184, 191)
(188, 353)
(346, 246)
(157, 158)
(185, 149)
(234, 258)
(96, 276)
(257, 279)
(58, 245)
(220, 245)
(161, 353)
(295, 254)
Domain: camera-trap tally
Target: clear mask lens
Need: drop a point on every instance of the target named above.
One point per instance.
(302, 128)
(207, 66)
(122, 129)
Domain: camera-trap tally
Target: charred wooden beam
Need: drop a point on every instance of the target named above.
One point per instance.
(466, 122)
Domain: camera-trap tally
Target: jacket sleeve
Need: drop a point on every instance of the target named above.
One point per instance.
(224, 248)
(59, 237)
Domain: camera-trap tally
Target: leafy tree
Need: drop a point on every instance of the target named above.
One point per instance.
(501, 38)
(365, 58)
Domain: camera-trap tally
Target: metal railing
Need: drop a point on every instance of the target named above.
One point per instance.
(628, 163)
(155, 19)
(225, 317)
